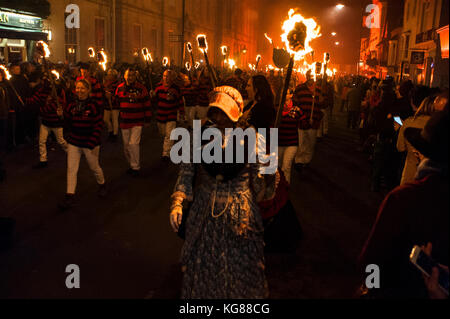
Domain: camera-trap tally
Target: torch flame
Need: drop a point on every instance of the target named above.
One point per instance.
(206, 42)
(165, 61)
(258, 58)
(91, 52)
(312, 32)
(46, 49)
(267, 37)
(8, 76)
(188, 66)
(56, 73)
(147, 55)
(224, 49)
(231, 64)
(197, 65)
(105, 60)
(189, 47)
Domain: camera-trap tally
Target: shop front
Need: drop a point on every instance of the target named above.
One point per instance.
(19, 32)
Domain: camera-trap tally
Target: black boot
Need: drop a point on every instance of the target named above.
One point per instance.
(67, 202)
(102, 191)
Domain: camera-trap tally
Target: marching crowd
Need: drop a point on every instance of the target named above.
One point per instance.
(401, 129)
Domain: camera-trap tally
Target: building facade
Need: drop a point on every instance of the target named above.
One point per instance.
(123, 27)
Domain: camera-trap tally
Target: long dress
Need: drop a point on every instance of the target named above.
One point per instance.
(223, 253)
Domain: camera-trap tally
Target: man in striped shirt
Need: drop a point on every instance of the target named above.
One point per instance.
(97, 92)
(308, 125)
(135, 113)
(169, 103)
(51, 118)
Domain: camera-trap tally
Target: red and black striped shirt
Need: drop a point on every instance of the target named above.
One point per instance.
(168, 103)
(203, 91)
(134, 111)
(48, 107)
(112, 87)
(84, 122)
(97, 93)
(190, 95)
(303, 98)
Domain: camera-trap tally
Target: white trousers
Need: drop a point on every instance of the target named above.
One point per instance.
(73, 163)
(131, 146)
(43, 136)
(286, 156)
(111, 119)
(307, 143)
(164, 130)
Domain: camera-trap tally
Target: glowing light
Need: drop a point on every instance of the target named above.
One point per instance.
(8, 76)
(291, 25)
(258, 58)
(56, 73)
(102, 59)
(224, 49)
(267, 37)
(188, 66)
(189, 47)
(45, 48)
(197, 65)
(165, 61)
(91, 52)
(333, 34)
(340, 6)
(202, 43)
(337, 43)
(147, 55)
(231, 64)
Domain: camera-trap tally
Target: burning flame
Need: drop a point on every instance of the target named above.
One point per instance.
(8, 76)
(104, 58)
(231, 64)
(56, 73)
(312, 32)
(189, 47)
(206, 42)
(188, 66)
(258, 58)
(252, 67)
(91, 52)
(224, 49)
(46, 49)
(267, 37)
(147, 55)
(197, 65)
(165, 61)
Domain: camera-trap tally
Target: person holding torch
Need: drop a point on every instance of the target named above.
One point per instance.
(135, 113)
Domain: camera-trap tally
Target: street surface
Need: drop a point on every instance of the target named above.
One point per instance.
(125, 247)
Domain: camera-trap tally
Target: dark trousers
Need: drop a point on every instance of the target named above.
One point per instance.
(352, 119)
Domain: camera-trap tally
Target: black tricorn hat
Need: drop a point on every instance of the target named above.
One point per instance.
(432, 141)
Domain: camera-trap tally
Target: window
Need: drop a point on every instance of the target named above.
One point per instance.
(406, 47)
(99, 33)
(137, 37)
(71, 42)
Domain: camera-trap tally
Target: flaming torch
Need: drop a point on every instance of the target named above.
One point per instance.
(8, 76)
(298, 33)
(91, 52)
(56, 74)
(224, 50)
(203, 46)
(188, 66)
(165, 61)
(148, 57)
(191, 53)
(197, 65)
(258, 59)
(102, 59)
(43, 50)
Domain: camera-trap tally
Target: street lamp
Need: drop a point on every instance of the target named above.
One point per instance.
(333, 34)
(337, 43)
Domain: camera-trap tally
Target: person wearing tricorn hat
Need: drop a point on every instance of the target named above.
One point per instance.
(415, 213)
(223, 253)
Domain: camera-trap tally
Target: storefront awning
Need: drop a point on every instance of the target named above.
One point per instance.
(24, 34)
